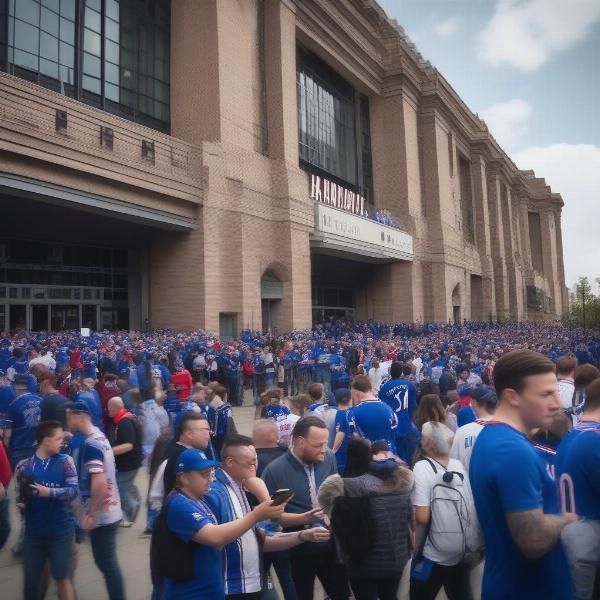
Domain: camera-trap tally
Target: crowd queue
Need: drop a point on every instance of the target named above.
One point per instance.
(376, 448)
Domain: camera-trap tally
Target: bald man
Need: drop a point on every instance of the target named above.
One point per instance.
(125, 436)
(265, 436)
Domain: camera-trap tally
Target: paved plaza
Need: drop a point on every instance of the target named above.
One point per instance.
(133, 551)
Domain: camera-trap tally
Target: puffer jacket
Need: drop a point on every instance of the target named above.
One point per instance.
(391, 512)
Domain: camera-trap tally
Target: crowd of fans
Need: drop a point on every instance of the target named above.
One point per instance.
(362, 459)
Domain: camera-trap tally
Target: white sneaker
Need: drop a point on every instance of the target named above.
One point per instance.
(125, 523)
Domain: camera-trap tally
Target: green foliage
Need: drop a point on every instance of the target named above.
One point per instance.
(585, 307)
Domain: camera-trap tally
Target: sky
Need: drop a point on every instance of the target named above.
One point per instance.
(531, 70)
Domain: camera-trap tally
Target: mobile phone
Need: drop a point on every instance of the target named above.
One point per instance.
(281, 496)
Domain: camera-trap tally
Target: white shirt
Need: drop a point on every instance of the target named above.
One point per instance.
(249, 549)
(464, 440)
(286, 425)
(376, 375)
(566, 389)
(421, 496)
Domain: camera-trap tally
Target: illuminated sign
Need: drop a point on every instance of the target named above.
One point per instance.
(327, 192)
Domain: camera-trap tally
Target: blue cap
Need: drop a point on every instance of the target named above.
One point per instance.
(194, 460)
(22, 380)
(79, 406)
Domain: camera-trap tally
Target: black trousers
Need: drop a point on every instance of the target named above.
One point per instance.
(312, 560)
(455, 580)
(372, 589)
(252, 596)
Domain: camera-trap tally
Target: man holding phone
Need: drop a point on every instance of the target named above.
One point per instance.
(302, 469)
(227, 499)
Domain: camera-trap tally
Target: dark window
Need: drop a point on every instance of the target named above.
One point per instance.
(333, 126)
(466, 199)
(112, 54)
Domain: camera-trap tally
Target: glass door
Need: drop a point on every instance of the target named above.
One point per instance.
(39, 317)
(64, 317)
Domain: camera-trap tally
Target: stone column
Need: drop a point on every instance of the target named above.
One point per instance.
(561, 263)
(549, 257)
(483, 234)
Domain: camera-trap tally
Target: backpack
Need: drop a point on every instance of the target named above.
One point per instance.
(453, 528)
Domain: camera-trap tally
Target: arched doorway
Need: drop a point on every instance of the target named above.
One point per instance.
(271, 294)
(456, 305)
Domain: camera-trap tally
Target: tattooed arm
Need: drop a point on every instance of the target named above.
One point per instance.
(536, 533)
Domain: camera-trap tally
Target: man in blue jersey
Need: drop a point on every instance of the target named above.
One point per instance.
(51, 483)
(343, 428)
(400, 394)
(515, 498)
(577, 468)
(370, 418)
(227, 499)
(21, 420)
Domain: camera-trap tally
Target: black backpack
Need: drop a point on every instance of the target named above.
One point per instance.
(169, 556)
(353, 526)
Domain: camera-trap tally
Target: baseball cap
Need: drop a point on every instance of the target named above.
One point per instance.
(22, 380)
(193, 459)
(79, 406)
(342, 394)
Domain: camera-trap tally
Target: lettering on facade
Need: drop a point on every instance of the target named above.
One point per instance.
(327, 192)
(359, 230)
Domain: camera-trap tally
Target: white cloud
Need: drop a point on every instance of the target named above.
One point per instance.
(507, 121)
(573, 170)
(526, 33)
(448, 27)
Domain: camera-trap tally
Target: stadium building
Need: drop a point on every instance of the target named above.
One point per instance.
(252, 164)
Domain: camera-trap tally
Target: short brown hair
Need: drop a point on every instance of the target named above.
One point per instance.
(49, 377)
(592, 396)
(316, 391)
(361, 383)
(585, 374)
(513, 367)
(303, 424)
(565, 365)
(46, 429)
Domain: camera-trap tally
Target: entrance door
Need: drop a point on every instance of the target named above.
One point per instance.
(17, 316)
(227, 325)
(270, 314)
(39, 317)
(64, 317)
(456, 314)
(88, 316)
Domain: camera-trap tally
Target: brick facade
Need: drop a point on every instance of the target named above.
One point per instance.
(231, 167)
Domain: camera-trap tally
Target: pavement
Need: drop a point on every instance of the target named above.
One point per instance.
(133, 551)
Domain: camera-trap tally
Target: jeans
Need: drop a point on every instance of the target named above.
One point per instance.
(455, 580)
(372, 589)
(318, 559)
(56, 549)
(4, 521)
(581, 541)
(283, 567)
(233, 383)
(129, 494)
(104, 549)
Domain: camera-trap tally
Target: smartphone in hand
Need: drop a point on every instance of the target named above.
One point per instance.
(281, 496)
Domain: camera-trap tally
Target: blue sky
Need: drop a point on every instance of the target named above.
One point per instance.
(531, 69)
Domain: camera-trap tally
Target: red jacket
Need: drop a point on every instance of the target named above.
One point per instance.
(5, 470)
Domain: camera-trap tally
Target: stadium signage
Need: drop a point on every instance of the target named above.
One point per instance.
(338, 230)
(327, 192)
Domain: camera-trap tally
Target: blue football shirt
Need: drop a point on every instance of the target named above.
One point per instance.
(342, 424)
(508, 476)
(185, 517)
(375, 421)
(401, 396)
(577, 467)
(23, 418)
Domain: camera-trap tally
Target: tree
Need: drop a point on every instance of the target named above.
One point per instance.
(585, 309)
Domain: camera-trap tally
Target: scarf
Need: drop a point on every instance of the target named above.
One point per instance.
(122, 414)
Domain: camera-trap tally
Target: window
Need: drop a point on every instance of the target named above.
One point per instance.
(451, 154)
(112, 54)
